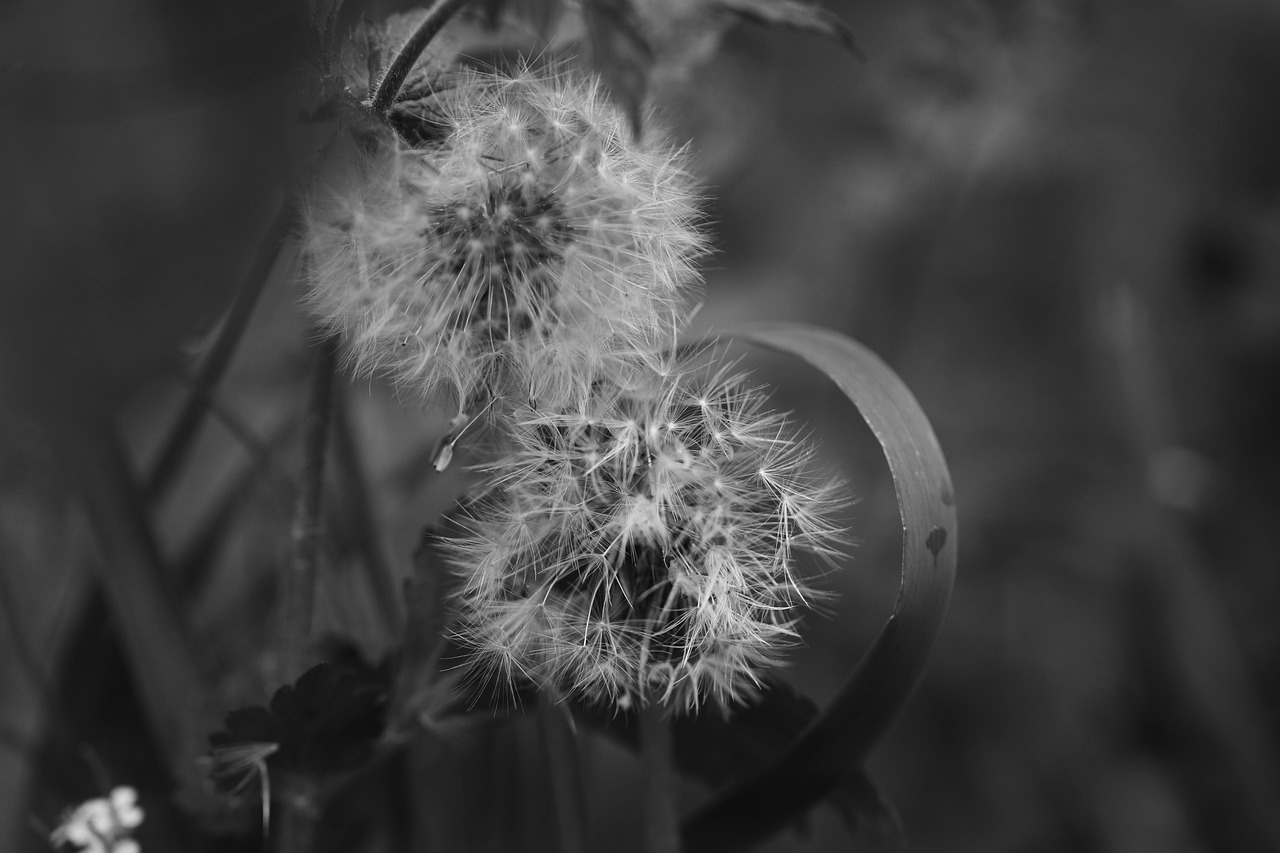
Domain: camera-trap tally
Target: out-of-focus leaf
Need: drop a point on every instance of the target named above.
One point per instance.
(325, 723)
(862, 711)
(795, 15)
(620, 53)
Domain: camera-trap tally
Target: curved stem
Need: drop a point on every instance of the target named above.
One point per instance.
(437, 16)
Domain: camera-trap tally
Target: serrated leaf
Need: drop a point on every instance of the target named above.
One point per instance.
(619, 53)
(795, 15)
(870, 700)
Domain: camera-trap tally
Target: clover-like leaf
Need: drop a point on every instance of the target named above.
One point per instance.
(326, 723)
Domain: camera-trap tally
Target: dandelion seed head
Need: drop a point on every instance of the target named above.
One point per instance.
(526, 243)
(655, 526)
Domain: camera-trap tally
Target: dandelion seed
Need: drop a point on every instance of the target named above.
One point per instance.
(524, 245)
(640, 546)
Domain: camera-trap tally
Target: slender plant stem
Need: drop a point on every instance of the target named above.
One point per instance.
(186, 427)
(661, 827)
(437, 16)
(300, 587)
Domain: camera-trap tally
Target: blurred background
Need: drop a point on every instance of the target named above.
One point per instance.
(1058, 220)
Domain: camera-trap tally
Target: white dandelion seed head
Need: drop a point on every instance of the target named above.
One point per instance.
(640, 546)
(525, 241)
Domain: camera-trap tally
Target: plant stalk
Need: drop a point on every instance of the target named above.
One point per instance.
(300, 584)
(389, 87)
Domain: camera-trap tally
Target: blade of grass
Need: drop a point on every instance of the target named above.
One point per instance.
(186, 426)
(170, 673)
(197, 554)
(862, 711)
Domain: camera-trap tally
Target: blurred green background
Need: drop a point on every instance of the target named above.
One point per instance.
(1058, 221)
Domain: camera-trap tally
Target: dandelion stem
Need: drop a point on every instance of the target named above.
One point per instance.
(437, 16)
(661, 828)
(300, 586)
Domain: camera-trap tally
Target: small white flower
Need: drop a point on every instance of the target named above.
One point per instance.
(102, 825)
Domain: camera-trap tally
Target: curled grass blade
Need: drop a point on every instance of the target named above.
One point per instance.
(844, 734)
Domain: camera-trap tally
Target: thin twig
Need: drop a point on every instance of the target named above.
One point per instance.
(389, 87)
(300, 588)
(186, 427)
